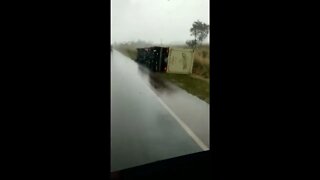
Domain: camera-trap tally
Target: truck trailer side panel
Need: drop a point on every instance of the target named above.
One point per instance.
(180, 61)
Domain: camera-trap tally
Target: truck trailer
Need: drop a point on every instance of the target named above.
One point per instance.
(165, 59)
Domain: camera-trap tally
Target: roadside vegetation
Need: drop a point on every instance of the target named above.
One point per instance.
(193, 85)
(128, 51)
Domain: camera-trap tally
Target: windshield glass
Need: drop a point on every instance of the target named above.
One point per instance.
(160, 79)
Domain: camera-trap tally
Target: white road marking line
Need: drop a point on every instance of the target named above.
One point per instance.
(184, 126)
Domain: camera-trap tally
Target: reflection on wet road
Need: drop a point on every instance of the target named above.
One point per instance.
(146, 128)
(155, 81)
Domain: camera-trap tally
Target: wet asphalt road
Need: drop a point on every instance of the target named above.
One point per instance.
(143, 128)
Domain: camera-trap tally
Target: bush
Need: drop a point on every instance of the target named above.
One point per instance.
(204, 54)
(201, 67)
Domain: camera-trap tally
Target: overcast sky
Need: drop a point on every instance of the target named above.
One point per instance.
(156, 20)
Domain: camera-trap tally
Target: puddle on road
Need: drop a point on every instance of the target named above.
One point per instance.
(156, 82)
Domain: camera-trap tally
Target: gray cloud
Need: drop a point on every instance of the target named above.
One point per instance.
(156, 20)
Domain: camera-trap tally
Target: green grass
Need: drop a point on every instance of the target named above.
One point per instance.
(128, 51)
(132, 53)
(195, 86)
(201, 69)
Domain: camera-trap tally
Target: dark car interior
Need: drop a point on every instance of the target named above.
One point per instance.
(193, 166)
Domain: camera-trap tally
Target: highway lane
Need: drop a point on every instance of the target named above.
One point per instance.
(144, 128)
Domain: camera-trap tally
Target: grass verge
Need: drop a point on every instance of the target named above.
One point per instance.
(128, 51)
(193, 85)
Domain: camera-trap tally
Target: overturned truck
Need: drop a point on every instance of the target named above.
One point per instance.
(165, 59)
